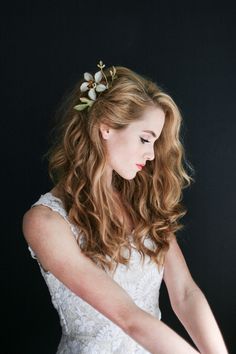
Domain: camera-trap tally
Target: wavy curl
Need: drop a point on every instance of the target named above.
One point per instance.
(77, 162)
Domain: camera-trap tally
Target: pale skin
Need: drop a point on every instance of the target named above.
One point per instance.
(43, 228)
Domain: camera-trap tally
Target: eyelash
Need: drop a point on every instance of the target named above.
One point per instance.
(144, 140)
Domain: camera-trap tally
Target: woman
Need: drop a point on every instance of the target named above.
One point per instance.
(104, 236)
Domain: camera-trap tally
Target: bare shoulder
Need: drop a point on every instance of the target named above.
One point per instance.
(39, 217)
(37, 213)
(49, 236)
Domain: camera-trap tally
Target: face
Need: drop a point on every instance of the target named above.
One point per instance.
(134, 145)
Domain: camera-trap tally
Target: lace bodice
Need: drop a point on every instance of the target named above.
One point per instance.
(84, 329)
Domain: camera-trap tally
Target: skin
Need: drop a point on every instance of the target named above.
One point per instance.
(126, 148)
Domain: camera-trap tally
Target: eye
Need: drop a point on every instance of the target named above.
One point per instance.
(144, 140)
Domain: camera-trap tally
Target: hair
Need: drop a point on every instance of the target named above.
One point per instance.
(77, 161)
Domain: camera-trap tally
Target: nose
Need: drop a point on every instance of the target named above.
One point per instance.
(149, 155)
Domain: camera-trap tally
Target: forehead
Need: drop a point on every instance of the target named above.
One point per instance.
(151, 120)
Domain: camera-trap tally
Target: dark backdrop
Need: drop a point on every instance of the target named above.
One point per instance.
(190, 51)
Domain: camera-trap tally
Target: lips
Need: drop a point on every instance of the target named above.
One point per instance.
(139, 166)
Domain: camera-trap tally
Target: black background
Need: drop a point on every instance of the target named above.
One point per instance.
(189, 50)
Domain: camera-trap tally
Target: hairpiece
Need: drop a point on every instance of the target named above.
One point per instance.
(92, 85)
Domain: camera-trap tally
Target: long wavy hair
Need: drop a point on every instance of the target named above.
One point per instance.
(77, 165)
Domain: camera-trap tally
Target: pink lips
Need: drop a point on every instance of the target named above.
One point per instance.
(139, 166)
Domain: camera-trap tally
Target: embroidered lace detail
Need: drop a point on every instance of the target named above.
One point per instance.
(84, 329)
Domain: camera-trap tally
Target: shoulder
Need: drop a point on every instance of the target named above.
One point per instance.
(48, 235)
(39, 217)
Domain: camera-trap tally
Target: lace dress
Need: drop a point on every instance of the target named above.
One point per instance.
(84, 329)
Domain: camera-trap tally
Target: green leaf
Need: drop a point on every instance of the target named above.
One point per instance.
(90, 103)
(84, 99)
(80, 107)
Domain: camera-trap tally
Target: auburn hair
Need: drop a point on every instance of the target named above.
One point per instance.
(77, 163)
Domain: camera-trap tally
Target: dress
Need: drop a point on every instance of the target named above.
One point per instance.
(84, 329)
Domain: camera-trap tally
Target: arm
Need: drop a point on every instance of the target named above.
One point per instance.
(196, 316)
(50, 237)
(190, 305)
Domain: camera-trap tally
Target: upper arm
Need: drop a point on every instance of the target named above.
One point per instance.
(51, 239)
(177, 276)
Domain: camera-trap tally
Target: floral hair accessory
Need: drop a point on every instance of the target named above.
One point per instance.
(92, 85)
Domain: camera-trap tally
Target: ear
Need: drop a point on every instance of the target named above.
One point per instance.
(105, 131)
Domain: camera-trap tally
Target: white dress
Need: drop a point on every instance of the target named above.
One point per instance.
(84, 329)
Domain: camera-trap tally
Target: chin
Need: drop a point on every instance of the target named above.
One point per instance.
(126, 175)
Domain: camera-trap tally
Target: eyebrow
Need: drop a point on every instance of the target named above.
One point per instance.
(150, 132)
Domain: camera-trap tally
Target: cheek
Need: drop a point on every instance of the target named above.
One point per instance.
(124, 160)
(127, 150)
(120, 145)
